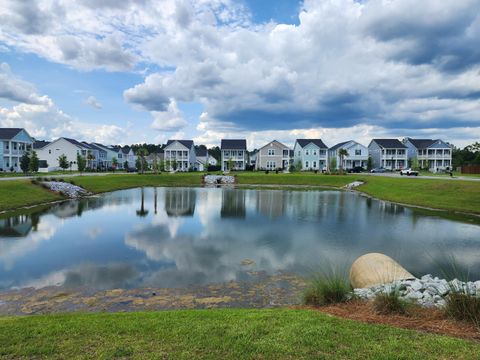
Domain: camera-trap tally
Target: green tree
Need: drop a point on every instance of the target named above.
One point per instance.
(63, 162)
(114, 163)
(34, 163)
(81, 163)
(174, 164)
(162, 165)
(125, 165)
(369, 163)
(24, 162)
(343, 153)
(230, 164)
(90, 160)
(142, 153)
(333, 164)
(415, 165)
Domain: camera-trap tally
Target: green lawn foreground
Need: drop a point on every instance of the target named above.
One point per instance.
(17, 193)
(219, 334)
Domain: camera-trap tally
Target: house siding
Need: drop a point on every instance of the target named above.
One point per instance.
(276, 161)
(310, 156)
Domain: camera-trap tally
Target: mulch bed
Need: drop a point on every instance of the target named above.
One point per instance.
(419, 318)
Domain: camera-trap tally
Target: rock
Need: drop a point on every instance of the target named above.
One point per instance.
(416, 285)
(456, 285)
(376, 269)
(70, 190)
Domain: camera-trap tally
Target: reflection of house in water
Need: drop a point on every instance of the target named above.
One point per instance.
(271, 203)
(180, 202)
(391, 208)
(17, 226)
(233, 203)
(68, 209)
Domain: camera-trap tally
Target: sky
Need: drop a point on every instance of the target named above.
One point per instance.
(134, 71)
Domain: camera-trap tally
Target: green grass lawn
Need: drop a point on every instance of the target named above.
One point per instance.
(17, 193)
(219, 334)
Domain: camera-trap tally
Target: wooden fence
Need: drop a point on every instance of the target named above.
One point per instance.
(471, 169)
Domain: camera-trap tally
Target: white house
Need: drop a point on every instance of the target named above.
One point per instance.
(272, 156)
(435, 155)
(49, 154)
(388, 153)
(311, 154)
(202, 159)
(179, 155)
(234, 151)
(357, 155)
(14, 142)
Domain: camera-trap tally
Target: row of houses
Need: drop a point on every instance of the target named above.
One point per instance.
(183, 155)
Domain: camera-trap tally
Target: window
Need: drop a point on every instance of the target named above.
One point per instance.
(271, 165)
(307, 152)
(314, 164)
(49, 151)
(240, 153)
(226, 153)
(285, 153)
(358, 152)
(271, 152)
(299, 153)
(315, 152)
(306, 164)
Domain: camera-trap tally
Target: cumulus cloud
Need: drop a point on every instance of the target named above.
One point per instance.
(14, 89)
(93, 102)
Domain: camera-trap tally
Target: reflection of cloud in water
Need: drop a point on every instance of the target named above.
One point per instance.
(15, 248)
(95, 276)
(94, 232)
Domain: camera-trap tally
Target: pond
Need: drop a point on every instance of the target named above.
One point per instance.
(178, 237)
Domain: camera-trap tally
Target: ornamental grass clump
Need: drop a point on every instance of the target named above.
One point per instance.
(325, 289)
(463, 307)
(390, 303)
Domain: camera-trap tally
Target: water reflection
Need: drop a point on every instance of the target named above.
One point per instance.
(198, 236)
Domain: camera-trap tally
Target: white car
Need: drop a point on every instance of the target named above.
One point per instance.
(408, 172)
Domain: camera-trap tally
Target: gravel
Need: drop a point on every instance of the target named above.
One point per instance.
(69, 190)
(219, 179)
(427, 291)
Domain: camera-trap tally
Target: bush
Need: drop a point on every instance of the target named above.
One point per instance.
(463, 307)
(325, 289)
(390, 303)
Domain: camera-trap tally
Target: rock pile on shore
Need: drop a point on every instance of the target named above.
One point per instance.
(69, 190)
(427, 291)
(219, 179)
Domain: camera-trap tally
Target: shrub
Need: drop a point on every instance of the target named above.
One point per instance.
(390, 303)
(463, 307)
(325, 289)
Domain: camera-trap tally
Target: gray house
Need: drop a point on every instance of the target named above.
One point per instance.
(434, 154)
(14, 142)
(388, 153)
(235, 151)
(357, 155)
(272, 156)
(179, 155)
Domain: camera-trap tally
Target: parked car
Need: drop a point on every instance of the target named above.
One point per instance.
(408, 172)
(378, 170)
(356, 169)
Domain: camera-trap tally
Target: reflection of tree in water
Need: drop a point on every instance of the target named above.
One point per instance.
(271, 203)
(233, 204)
(17, 226)
(180, 202)
(142, 212)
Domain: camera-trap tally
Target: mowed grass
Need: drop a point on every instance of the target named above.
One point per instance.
(304, 179)
(17, 193)
(439, 194)
(219, 334)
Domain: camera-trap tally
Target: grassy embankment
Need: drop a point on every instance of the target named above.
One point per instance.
(17, 193)
(220, 334)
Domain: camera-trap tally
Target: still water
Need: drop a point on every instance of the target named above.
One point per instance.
(176, 237)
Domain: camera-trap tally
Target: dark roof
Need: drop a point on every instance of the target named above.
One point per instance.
(116, 148)
(421, 143)
(126, 149)
(234, 144)
(187, 143)
(87, 145)
(201, 152)
(9, 133)
(38, 144)
(318, 142)
(389, 143)
(98, 146)
(339, 145)
(75, 142)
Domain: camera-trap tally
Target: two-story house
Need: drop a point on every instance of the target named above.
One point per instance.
(179, 155)
(202, 159)
(234, 154)
(103, 155)
(436, 155)
(50, 153)
(390, 154)
(14, 142)
(273, 156)
(310, 154)
(357, 155)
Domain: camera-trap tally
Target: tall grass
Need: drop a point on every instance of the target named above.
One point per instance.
(328, 287)
(390, 303)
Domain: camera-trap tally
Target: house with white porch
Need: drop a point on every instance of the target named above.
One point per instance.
(310, 154)
(14, 143)
(202, 159)
(273, 156)
(436, 155)
(50, 153)
(179, 155)
(103, 155)
(390, 154)
(234, 152)
(357, 155)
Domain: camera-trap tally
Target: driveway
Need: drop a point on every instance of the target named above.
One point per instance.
(397, 175)
(59, 175)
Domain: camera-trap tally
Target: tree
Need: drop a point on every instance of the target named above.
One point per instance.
(81, 163)
(142, 212)
(162, 165)
(24, 162)
(333, 164)
(34, 163)
(174, 164)
(343, 153)
(90, 160)
(114, 163)
(138, 164)
(415, 165)
(215, 152)
(142, 153)
(63, 162)
(230, 164)
(125, 165)
(369, 163)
